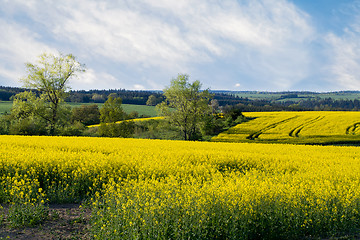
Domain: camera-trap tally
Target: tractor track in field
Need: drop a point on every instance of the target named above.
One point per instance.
(351, 129)
(256, 134)
(295, 131)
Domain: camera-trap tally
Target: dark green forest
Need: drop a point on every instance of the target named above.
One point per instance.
(270, 101)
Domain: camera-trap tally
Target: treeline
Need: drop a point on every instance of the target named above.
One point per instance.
(91, 96)
(328, 104)
(7, 92)
(223, 98)
(100, 96)
(306, 104)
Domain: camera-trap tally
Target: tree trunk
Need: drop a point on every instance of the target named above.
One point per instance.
(53, 119)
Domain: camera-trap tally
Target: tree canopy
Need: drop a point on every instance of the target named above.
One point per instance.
(186, 105)
(112, 111)
(50, 77)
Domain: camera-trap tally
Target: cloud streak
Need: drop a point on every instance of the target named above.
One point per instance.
(344, 53)
(17, 43)
(258, 45)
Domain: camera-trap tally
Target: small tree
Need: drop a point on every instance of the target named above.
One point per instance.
(112, 111)
(97, 98)
(185, 105)
(152, 101)
(50, 76)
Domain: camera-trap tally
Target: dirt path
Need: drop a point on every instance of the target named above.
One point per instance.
(66, 221)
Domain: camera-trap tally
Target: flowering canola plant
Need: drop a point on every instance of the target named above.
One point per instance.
(153, 189)
(295, 127)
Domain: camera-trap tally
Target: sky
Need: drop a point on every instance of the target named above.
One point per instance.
(238, 45)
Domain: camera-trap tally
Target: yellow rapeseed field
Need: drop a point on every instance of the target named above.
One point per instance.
(152, 189)
(295, 127)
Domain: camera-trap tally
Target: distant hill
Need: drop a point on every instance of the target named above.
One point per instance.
(247, 101)
(294, 95)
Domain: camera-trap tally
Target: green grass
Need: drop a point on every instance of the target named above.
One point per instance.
(150, 111)
(141, 109)
(5, 106)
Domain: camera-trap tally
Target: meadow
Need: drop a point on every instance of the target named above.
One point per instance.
(5, 106)
(296, 127)
(153, 189)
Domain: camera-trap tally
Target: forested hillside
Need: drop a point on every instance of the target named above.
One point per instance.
(246, 101)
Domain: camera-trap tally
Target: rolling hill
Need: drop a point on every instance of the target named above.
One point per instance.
(296, 128)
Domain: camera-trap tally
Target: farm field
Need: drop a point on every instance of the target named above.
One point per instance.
(296, 127)
(150, 111)
(5, 106)
(255, 95)
(153, 189)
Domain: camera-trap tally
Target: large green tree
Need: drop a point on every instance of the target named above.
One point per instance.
(50, 76)
(186, 105)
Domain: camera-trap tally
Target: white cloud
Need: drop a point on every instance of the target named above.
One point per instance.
(343, 50)
(89, 77)
(344, 53)
(92, 79)
(138, 87)
(264, 39)
(17, 46)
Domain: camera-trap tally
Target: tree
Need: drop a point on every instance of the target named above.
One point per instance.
(112, 111)
(31, 114)
(152, 101)
(51, 76)
(185, 105)
(214, 104)
(97, 98)
(86, 114)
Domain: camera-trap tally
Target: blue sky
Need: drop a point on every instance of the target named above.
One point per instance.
(265, 45)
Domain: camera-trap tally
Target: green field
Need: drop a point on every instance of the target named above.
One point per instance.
(276, 96)
(150, 111)
(5, 106)
(296, 128)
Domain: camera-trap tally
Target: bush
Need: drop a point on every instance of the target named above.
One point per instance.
(212, 125)
(86, 114)
(75, 129)
(123, 129)
(28, 126)
(156, 129)
(4, 124)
